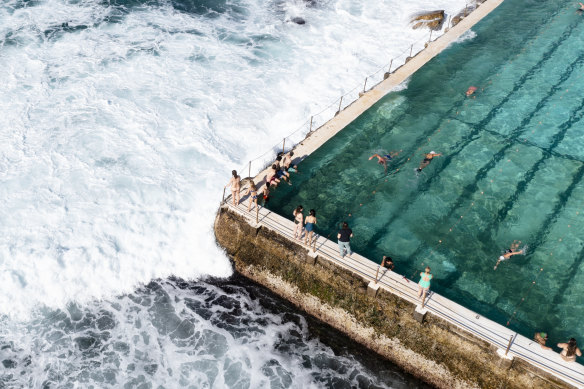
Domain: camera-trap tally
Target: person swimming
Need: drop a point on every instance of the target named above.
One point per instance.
(514, 250)
(382, 159)
(427, 159)
(471, 90)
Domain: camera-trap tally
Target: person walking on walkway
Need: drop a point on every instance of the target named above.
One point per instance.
(570, 350)
(310, 222)
(235, 184)
(252, 191)
(424, 284)
(344, 236)
(298, 220)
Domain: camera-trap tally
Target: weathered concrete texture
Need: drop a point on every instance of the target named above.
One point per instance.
(435, 351)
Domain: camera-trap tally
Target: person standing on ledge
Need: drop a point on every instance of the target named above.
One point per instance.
(427, 159)
(235, 184)
(252, 191)
(309, 222)
(344, 236)
(424, 284)
(299, 221)
(570, 350)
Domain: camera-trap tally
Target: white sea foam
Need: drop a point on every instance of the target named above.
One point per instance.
(167, 336)
(118, 138)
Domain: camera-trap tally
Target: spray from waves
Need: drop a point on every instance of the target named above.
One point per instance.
(122, 120)
(175, 334)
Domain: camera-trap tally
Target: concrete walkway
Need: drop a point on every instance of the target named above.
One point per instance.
(459, 316)
(317, 138)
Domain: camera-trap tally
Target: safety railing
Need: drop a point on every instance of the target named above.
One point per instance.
(317, 120)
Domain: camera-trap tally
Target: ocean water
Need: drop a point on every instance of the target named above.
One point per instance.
(511, 169)
(121, 122)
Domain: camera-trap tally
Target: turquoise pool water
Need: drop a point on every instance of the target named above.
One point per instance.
(512, 169)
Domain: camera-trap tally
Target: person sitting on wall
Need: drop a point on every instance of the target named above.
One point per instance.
(541, 338)
(570, 350)
(287, 160)
(387, 263)
(271, 178)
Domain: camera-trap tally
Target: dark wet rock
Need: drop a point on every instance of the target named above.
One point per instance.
(432, 20)
(9, 364)
(85, 342)
(298, 20)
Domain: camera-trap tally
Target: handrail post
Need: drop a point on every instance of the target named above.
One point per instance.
(365, 85)
(509, 345)
(310, 130)
(339, 110)
(249, 170)
(283, 145)
(257, 213)
(314, 246)
(377, 273)
(465, 7)
(390, 63)
(223, 200)
(411, 49)
(430, 40)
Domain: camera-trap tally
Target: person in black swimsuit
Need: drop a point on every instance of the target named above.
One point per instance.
(427, 159)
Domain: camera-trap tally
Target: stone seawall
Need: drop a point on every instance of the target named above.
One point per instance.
(434, 351)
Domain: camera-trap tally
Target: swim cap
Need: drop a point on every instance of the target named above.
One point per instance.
(543, 335)
(502, 258)
(433, 152)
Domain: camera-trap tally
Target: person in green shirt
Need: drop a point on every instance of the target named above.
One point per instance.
(424, 284)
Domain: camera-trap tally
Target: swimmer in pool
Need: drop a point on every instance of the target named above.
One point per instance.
(382, 159)
(471, 90)
(427, 159)
(514, 250)
(581, 7)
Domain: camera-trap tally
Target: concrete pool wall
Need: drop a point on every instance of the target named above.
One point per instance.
(446, 344)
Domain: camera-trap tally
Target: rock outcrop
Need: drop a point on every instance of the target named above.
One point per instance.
(432, 20)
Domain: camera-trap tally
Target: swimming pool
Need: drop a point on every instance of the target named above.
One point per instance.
(512, 169)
